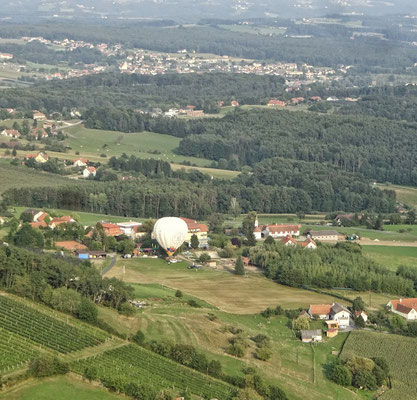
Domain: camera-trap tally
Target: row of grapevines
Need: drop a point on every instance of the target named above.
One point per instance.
(142, 366)
(43, 329)
(399, 351)
(15, 351)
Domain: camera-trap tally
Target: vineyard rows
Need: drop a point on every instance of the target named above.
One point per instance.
(139, 365)
(400, 353)
(15, 351)
(43, 329)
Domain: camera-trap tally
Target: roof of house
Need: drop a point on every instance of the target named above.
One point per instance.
(307, 242)
(320, 309)
(337, 308)
(84, 160)
(90, 169)
(71, 245)
(358, 313)
(42, 216)
(193, 225)
(404, 305)
(310, 334)
(62, 220)
(287, 239)
(283, 228)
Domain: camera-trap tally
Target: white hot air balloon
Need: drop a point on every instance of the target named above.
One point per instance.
(170, 232)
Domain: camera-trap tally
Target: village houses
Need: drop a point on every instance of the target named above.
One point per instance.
(335, 312)
(12, 133)
(39, 157)
(200, 230)
(88, 171)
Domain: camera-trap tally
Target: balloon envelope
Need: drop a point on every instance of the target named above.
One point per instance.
(170, 232)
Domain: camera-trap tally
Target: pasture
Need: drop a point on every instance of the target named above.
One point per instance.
(21, 176)
(93, 142)
(62, 388)
(236, 294)
(400, 353)
(392, 257)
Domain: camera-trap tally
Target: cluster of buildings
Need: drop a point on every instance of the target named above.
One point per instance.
(290, 233)
(41, 219)
(151, 63)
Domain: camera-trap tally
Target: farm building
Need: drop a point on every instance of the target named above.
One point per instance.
(276, 231)
(332, 328)
(311, 336)
(406, 308)
(325, 236)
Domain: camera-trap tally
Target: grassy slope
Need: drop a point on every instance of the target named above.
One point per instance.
(405, 194)
(62, 388)
(13, 177)
(165, 317)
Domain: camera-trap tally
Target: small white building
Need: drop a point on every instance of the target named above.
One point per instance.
(80, 162)
(406, 308)
(88, 171)
(129, 228)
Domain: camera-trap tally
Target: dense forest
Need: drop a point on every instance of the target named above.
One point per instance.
(114, 90)
(197, 196)
(342, 265)
(377, 148)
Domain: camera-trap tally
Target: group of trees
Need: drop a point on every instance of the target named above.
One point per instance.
(360, 372)
(342, 265)
(63, 284)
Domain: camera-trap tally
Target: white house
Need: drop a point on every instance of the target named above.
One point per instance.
(88, 171)
(13, 133)
(129, 228)
(80, 162)
(340, 314)
(407, 308)
(361, 314)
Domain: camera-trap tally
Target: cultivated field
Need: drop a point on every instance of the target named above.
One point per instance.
(399, 351)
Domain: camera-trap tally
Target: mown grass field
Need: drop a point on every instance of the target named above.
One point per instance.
(62, 388)
(400, 353)
(228, 292)
(391, 256)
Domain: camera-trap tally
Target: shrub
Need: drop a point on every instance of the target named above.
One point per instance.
(340, 375)
(86, 310)
(263, 353)
(91, 373)
(193, 303)
(178, 294)
(139, 338)
(46, 365)
(236, 350)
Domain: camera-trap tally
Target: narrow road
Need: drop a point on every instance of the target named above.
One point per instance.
(110, 266)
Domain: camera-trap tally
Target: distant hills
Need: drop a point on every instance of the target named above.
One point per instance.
(193, 10)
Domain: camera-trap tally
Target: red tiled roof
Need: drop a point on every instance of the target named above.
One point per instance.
(405, 305)
(84, 160)
(307, 242)
(193, 225)
(42, 216)
(287, 239)
(62, 220)
(283, 228)
(320, 309)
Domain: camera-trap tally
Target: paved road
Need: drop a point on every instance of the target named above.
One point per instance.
(110, 266)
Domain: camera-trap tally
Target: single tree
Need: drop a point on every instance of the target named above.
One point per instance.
(194, 243)
(239, 266)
